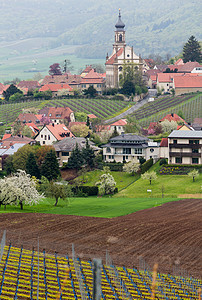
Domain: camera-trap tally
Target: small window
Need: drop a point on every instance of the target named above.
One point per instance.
(43, 142)
(195, 160)
(65, 153)
(174, 141)
(178, 160)
(120, 68)
(49, 137)
(151, 150)
(128, 55)
(45, 137)
(108, 150)
(194, 150)
(41, 135)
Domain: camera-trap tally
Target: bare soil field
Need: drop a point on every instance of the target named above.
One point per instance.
(170, 234)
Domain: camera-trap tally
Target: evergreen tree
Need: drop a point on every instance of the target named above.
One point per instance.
(76, 159)
(115, 133)
(50, 167)
(88, 155)
(88, 122)
(11, 90)
(32, 167)
(192, 50)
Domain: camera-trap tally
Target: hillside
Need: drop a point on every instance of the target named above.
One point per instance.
(86, 28)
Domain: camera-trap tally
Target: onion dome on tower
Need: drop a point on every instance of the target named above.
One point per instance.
(120, 25)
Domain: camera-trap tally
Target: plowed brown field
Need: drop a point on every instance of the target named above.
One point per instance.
(170, 235)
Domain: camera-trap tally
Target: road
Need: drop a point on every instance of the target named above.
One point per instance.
(151, 93)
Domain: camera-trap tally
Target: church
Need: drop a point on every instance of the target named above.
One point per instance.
(121, 55)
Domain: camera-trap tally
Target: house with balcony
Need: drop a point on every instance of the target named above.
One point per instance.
(185, 147)
(126, 147)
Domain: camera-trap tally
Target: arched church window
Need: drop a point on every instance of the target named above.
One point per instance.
(120, 68)
(128, 55)
(120, 38)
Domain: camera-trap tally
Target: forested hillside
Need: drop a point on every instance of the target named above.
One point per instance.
(152, 26)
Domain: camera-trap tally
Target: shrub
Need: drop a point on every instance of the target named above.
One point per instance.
(163, 161)
(85, 190)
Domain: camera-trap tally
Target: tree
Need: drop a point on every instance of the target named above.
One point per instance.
(50, 166)
(32, 167)
(17, 127)
(9, 168)
(88, 155)
(11, 90)
(91, 92)
(80, 116)
(88, 122)
(41, 152)
(131, 167)
(67, 66)
(128, 88)
(20, 157)
(19, 189)
(99, 68)
(193, 174)
(16, 97)
(26, 131)
(168, 126)
(115, 133)
(45, 120)
(55, 69)
(132, 125)
(192, 50)
(149, 176)
(80, 130)
(57, 191)
(106, 184)
(76, 159)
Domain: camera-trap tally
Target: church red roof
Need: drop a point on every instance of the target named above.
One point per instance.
(111, 60)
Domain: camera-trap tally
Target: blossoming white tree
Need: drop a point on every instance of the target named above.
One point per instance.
(131, 167)
(19, 189)
(149, 176)
(107, 184)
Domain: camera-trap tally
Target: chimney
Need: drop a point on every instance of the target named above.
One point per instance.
(122, 134)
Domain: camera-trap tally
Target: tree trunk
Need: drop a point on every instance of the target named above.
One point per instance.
(56, 201)
(21, 205)
(193, 179)
(150, 181)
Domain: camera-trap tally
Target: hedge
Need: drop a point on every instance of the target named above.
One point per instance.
(146, 165)
(85, 190)
(112, 165)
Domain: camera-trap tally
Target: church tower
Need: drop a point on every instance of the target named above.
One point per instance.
(119, 33)
(121, 55)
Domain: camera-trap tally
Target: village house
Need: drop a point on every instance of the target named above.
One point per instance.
(187, 84)
(52, 133)
(126, 147)
(93, 79)
(30, 118)
(185, 147)
(72, 80)
(58, 115)
(10, 144)
(30, 85)
(57, 88)
(65, 147)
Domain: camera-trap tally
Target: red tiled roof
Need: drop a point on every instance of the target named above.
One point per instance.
(53, 87)
(179, 62)
(92, 77)
(59, 112)
(164, 142)
(6, 136)
(92, 116)
(149, 62)
(111, 60)
(59, 79)
(87, 69)
(19, 139)
(58, 130)
(30, 85)
(152, 125)
(1, 87)
(27, 117)
(76, 123)
(188, 82)
(121, 122)
(188, 67)
(172, 117)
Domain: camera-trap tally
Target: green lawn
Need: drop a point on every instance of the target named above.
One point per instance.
(174, 185)
(122, 179)
(105, 207)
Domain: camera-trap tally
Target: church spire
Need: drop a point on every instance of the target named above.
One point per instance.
(119, 25)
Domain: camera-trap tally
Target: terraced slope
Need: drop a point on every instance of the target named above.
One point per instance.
(23, 271)
(101, 108)
(190, 105)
